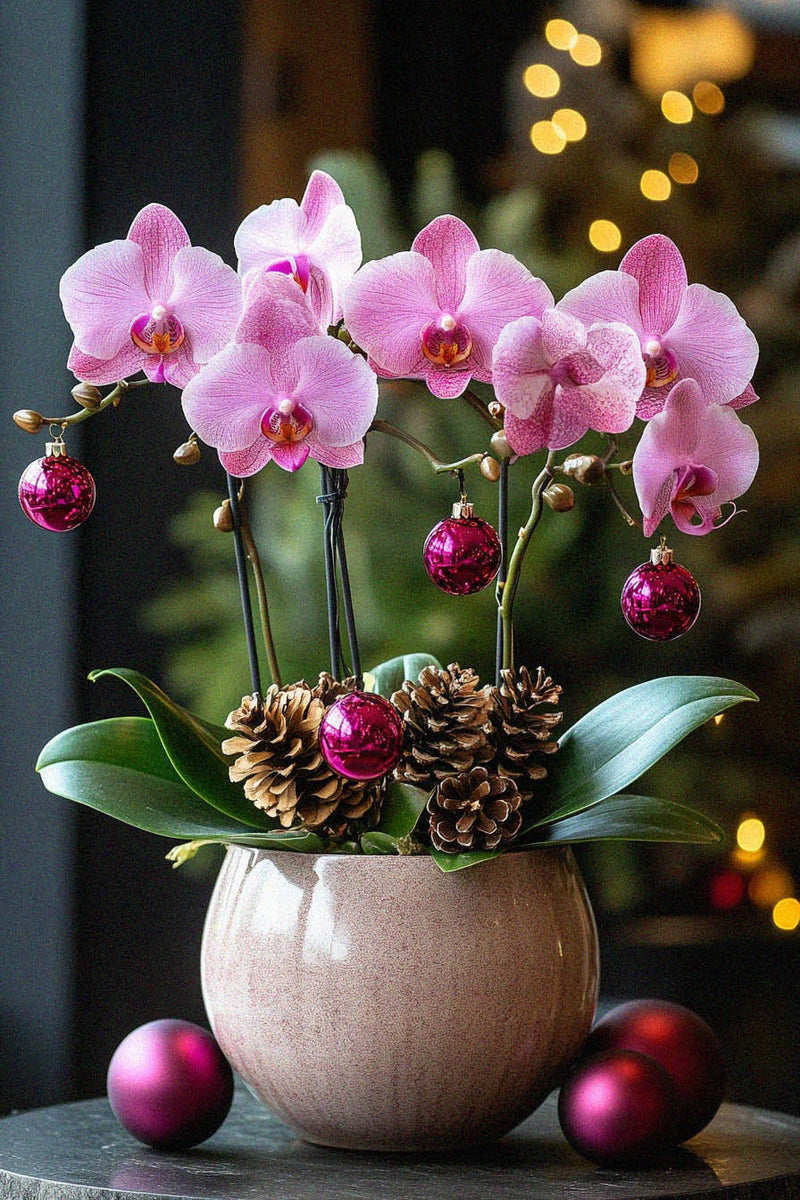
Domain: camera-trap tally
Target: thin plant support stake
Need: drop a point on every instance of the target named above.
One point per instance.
(244, 588)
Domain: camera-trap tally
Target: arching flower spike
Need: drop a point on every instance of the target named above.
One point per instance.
(557, 379)
(692, 458)
(151, 302)
(435, 312)
(685, 330)
(281, 391)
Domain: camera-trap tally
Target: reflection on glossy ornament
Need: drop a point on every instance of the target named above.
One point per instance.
(361, 736)
(56, 492)
(660, 599)
(462, 553)
(170, 1085)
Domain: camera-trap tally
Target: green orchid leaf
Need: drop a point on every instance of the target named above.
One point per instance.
(375, 842)
(401, 809)
(120, 768)
(632, 819)
(624, 736)
(194, 747)
(302, 841)
(390, 676)
(458, 862)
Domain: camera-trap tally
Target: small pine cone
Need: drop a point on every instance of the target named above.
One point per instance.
(521, 732)
(328, 689)
(474, 811)
(359, 810)
(446, 721)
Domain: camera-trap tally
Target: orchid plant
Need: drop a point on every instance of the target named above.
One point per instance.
(280, 362)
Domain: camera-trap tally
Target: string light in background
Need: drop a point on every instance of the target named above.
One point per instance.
(708, 98)
(750, 834)
(677, 108)
(605, 236)
(541, 80)
(562, 35)
(684, 169)
(571, 123)
(548, 138)
(655, 185)
(586, 51)
(786, 914)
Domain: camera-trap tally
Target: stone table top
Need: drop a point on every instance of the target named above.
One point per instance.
(79, 1152)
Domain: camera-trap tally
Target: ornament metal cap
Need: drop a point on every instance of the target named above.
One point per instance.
(463, 510)
(661, 555)
(56, 449)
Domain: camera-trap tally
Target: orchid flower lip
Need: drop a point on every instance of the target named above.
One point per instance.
(446, 342)
(157, 331)
(286, 426)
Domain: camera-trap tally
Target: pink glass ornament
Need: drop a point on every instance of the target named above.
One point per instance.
(170, 1085)
(361, 736)
(660, 600)
(680, 1042)
(56, 492)
(618, 1107)
(462, 553)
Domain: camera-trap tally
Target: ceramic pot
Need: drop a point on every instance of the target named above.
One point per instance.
(376, 1003)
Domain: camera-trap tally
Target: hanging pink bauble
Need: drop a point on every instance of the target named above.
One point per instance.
(680, 1042)
(361, 736)
(462, 554)
(56, 492)
(618, 1107)
(660, 599)
(170, 1085)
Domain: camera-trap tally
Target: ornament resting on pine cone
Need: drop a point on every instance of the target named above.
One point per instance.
(474, 811)
(446, 720)
(520, 731)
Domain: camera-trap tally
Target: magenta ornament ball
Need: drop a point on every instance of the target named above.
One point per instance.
(679, 1041)
(618, 1107)
(462, 555)
(56, 492)
(169, 1084)
(361, 736)
(660, 601)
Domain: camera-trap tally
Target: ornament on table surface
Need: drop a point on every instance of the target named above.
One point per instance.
(660, 599)
(56, 492)
(169, 1084)
(679, 1041)
(618, 1107)
(462, 554)
(361, 736)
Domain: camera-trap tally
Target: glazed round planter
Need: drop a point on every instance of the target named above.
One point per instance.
(376, 1003)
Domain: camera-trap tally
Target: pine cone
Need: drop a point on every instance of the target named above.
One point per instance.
(328, 689)
(474, 811)
(446, 720)
(521, 732)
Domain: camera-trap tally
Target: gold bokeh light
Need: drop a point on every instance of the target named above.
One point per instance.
(571, 123)
(586, 51)
(769, 886)
(786, 913)
(677, 108)
(683, 169)
(541, 80)
(605, 236)
(655, 185)
(547, 138)
(562, 35)
(750, 834)
(708, 98)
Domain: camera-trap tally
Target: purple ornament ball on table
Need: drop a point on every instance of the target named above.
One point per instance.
(170, 1085)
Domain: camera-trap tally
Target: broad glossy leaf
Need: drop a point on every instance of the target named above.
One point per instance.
(301, 841)
(624, 736)
(378, 843)
(119, 767)
(194, 747)
(401, 809)
(390, 676)
(458, 862)
(632, 819)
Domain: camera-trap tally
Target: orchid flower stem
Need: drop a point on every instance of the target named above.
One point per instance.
(634, 524)
(244, 589)
(113, 397)
(517, 557)
(502, 533)
(438, 466)
(261, 591)
(475, 402)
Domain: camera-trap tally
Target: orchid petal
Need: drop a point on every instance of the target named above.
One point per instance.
(730, 448)
(206, 298)
(321, 196)
(712, 344)
(270, 232)
(606, 296)
(102, 293)
(652, 401)
(448, 244)
(337, 251)
(243, 463)
(320, 299)
(562, 334)
(657, 264)
(224, 403)
(161, 235)
(338, 389)
(291, 455)
(520, 370)
(499, 289)
(343, 457)
(446, 383)
(128, 361)
(656, 506)
(276, 316)
(608, 402)
(748, 396)
(386, 307)
(179, 367)
(531, 434)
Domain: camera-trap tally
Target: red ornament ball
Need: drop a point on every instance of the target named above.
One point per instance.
(660, 600)
(170, 1085)
(618, 1107)
(56, 492)
(361, 736)
(462, 553)
(680, 1042)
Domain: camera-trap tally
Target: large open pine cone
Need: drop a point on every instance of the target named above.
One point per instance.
(446, 722)
(523, 733)
(474, 811)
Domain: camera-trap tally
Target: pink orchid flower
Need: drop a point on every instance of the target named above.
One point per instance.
(435, 312)
(557, 379)
(692, 458)
(685, 329)
(315, 242)
(281, 390)
(151, 302)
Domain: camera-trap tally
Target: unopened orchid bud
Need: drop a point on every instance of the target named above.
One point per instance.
(490, 468)
(496, 409)
(559, 496)
(28, 420)
(585, 468)
(187, 454)
(500, 444)
(223, 517)
(626, 467)
(87, 395)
